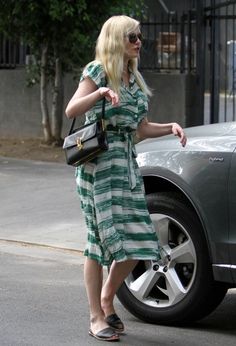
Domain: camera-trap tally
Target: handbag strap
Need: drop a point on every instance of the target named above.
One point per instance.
(103, 114)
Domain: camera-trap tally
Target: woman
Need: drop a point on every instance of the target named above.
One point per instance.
(120, 231)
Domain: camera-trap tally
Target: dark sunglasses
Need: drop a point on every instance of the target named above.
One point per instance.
(133, 38)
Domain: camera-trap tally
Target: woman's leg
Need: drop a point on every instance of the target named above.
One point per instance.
(93, 276)
(117, 274)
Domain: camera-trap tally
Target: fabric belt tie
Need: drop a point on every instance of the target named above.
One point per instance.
(127, 132)
(119, 129)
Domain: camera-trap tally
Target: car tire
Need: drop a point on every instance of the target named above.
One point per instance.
(194, 294)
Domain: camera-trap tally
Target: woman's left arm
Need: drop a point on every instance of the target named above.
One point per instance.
(147, 129)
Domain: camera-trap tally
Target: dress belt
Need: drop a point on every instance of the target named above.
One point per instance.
(127, 132)
(119, 129)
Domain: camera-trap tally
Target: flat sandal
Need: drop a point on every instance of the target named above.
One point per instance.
(115, 322)
(106, 334)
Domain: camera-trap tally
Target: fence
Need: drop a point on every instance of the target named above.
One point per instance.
(170, 43)
(220, 50)
(12, 54)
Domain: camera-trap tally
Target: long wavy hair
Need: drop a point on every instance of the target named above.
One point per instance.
(110, 50)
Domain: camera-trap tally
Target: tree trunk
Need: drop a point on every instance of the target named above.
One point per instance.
(43, 96)
(57, 102)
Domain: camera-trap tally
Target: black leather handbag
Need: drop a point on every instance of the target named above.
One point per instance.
(85, 143)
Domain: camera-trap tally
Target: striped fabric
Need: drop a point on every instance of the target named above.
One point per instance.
(111, 187)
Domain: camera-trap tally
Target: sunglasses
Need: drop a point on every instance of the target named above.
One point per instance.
(133, 38)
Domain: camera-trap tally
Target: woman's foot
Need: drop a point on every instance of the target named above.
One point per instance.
(111, 317)
(101, 330)
(98, 323)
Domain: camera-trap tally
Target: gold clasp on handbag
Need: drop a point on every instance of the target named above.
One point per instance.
(79, 143)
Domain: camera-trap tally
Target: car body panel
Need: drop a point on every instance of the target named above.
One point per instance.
(204, 172)
(232, 213)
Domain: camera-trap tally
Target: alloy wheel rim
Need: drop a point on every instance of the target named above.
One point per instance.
(166, 282)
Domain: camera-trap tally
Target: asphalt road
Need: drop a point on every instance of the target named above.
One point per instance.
(43, 303)
(42, 296)
(40, 205)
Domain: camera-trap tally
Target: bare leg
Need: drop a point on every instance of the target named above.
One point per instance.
(93, 276)
(118, 272)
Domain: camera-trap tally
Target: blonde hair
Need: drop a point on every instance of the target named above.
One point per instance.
(110, 51)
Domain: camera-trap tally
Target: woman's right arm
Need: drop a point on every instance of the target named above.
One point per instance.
(83, 99)
(86, 96)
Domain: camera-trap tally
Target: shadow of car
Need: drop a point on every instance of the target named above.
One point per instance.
(191, 196)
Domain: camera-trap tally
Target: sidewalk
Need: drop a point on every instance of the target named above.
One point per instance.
(40, 205)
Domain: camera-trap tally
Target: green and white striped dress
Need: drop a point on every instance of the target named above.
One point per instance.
(111, 186)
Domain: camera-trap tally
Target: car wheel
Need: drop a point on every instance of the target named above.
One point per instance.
(180, 287)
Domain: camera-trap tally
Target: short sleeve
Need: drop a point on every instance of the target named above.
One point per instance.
(94, 70)
(142, 107)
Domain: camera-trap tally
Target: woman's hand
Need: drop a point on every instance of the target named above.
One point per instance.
(152, 130)
(110, 95)
(178, 131)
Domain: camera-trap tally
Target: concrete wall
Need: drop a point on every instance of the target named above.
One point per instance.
(20, 114)
(173, 98)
